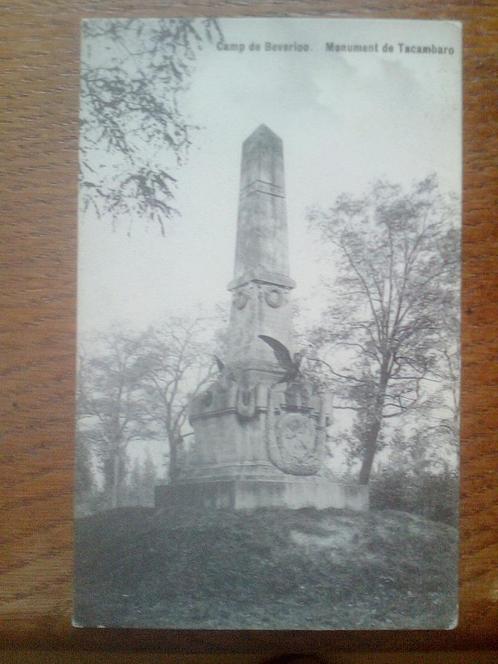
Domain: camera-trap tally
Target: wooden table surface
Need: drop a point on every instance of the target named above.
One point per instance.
(39, 119)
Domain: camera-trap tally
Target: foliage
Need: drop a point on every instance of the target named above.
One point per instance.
(419, 475)
(110, 404)
(177, 362)
(141, 482)
(426, 493)
(397, 257)
(84, 488)
(134, 484)
(84, 473)
(136, 387)
(133, 129)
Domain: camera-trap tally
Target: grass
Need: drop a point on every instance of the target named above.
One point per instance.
(267, 569)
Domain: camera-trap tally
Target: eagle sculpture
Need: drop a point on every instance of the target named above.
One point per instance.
(291, 364)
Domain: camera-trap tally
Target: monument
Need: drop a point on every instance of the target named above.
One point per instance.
(260, 427)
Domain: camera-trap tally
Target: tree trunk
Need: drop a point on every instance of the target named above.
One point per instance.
(115, 480)
(374, 429)
(173, 459)
(370, 449)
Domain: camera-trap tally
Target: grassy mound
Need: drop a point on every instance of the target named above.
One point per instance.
(267, 569)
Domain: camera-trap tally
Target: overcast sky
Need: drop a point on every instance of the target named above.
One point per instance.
(346, 119)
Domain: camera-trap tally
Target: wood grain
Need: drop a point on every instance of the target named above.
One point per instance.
(39, 47)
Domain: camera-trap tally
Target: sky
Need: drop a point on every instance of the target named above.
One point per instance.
(346, 119)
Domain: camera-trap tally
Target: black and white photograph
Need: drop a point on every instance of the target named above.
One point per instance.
(268, 324)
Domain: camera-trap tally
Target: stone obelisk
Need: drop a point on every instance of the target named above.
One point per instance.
(261, 283)
(259, 430)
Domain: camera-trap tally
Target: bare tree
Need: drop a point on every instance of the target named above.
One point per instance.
(133, 131)
(137, 387)
(177, 362)
(397, 256)
(111, 410)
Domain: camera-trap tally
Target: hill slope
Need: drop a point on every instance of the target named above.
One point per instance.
(269, 569)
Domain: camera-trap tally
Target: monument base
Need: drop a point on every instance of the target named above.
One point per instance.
(246, 494)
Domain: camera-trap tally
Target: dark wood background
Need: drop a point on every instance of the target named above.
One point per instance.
(39, 46)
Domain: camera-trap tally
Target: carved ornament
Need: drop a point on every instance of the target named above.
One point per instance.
(274, 297)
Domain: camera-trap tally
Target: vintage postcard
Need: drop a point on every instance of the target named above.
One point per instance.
(268, 324)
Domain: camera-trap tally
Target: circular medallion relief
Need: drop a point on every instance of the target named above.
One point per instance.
(296, 437)
(274, 297)
(295, 448)
(240, 299)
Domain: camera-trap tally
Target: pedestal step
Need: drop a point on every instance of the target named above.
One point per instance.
(242, 494)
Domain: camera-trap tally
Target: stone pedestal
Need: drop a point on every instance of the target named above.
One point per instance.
(243, 494)
(260, 446)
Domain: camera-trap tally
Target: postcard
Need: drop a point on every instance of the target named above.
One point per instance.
(268, 324)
